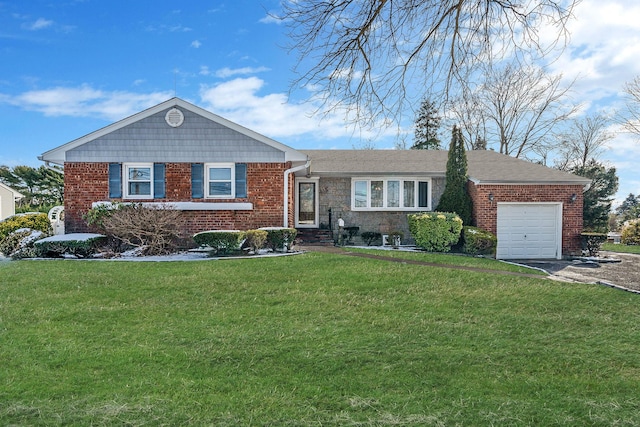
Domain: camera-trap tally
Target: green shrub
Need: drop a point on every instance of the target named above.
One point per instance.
(80, 245)
(256, 239)
(280, 238)
(221, 241)
(630, 234)
(371, 236)
(592, 242)
(435, 231)
(19, 244)
(478, 241)
(34, 221)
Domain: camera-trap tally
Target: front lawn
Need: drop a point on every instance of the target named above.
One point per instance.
(314, 339)
(618, 247)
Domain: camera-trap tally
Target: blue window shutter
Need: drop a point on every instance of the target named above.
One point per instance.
(241, 180)
(158, 181)
(115, 180)
(197, 180)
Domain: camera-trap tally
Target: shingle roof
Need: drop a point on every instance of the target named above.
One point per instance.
(484, 166)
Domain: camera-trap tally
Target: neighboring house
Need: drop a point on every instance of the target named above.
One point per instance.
(8, 199)
(224, 176)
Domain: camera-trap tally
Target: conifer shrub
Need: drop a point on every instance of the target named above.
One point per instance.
(222, 242)
(630, 234)
(477, 241)
(19, 243)
(435, 231)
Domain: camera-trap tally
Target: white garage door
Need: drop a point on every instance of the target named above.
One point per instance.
(529, 230)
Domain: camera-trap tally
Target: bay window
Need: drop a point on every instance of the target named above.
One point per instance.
(391, 194)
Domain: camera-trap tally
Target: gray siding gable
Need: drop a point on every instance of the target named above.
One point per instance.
(198, 139)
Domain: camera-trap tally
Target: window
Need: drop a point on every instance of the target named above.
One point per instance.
(221, 180)
(138, 180)
(391, 194)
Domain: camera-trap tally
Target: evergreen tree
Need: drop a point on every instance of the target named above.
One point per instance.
(598, 198)
(426, 127)
(629, 208)
(455, 197)
(41, 187)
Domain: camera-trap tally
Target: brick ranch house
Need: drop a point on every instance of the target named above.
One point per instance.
(224, 176)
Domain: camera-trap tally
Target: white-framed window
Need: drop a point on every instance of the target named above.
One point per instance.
(138, 180)
(389, 193)
(220, 180)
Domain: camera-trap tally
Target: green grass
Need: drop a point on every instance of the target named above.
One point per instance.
(314, 339)
(449, 259)
(628, 249)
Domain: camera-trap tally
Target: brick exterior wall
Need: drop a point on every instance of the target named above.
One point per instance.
(85, 183)
(485, 210)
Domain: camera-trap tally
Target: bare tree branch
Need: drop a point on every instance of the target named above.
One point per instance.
(373, 57)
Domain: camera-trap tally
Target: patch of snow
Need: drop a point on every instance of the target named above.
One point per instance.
(72, 237)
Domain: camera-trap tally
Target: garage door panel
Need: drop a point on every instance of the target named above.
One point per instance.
(528, 230)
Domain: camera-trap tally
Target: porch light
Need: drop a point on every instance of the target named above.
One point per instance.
(491, 197)
(573, 198)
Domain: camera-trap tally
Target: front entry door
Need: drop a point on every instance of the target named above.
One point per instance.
(307, 203)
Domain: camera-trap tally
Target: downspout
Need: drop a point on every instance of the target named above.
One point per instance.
(286, 189)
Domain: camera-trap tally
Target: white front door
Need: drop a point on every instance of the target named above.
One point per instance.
(306, 203)
(529, 230)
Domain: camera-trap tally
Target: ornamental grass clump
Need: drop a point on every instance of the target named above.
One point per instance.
(435, 231)
(222, 242)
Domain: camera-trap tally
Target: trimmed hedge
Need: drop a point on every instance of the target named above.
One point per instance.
(19, 244)
(280, 238)
(221, 241)
(435, 231)
(255, 239)
(478, 241)
(80, 245)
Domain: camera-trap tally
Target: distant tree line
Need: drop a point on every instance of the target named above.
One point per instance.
(41, 187)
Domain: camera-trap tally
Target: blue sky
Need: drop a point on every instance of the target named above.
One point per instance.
(69, 67)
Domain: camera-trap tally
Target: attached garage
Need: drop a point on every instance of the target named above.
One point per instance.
(529, 230)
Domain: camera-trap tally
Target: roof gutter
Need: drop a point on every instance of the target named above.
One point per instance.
(287, 173)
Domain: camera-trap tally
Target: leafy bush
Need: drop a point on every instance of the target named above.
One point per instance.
(371, 236)
(19, 244)
(155, 229)
(592, 242)
(478, 241)
(221, 241)
(256, 239)
(280, 238)
(34, 221)
(435, 231)
(630, 234)
(81, 245)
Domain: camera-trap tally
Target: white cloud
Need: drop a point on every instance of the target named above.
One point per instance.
(273, 114)
(84, 101)
(271, 18)
(230, 72)
(204, 70)
(39, 24)
(196, 44)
